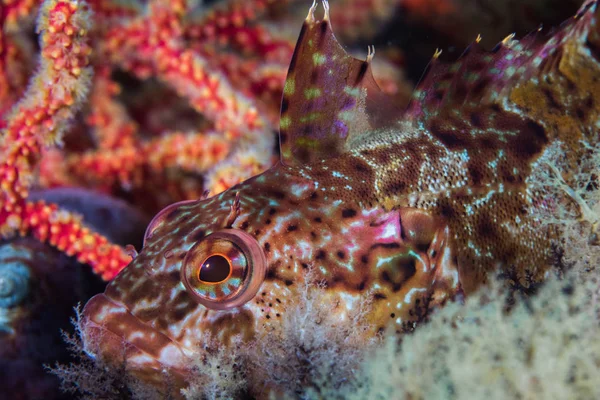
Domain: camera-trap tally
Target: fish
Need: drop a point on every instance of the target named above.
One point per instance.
(411, 207)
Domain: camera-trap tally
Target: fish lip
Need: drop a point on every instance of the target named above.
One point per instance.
(107, 327)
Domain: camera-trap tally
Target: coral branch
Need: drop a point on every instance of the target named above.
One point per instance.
(54, 95)
(189, 152)
(230, 24)
(153, 44)
(112, 126)
(65, 231)
(14, 52)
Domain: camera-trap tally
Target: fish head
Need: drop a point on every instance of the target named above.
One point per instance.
(233, 265)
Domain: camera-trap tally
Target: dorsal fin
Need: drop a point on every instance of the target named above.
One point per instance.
(330, 98)
(516, 97)
(482, 77)
(501, 108)
(477, 77)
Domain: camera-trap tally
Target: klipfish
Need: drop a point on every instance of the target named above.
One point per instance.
(413, 207)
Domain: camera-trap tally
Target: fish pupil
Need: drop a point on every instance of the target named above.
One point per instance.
(215, 269)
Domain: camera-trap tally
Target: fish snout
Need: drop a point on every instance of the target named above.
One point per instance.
(117, 338)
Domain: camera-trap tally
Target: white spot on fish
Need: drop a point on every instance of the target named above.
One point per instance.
(411, 293)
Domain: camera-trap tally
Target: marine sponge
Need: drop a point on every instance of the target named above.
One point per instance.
(315, 351)
(545, 347)
(571, 196)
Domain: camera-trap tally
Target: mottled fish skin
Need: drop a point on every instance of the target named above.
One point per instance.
(409, 208)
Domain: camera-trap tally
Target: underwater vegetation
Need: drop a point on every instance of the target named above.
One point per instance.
(337, 264)
(546, 347)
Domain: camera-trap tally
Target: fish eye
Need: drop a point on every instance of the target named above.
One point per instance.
(224, 270)
(216, 269)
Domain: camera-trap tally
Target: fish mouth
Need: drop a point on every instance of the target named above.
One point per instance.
(118, 338)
